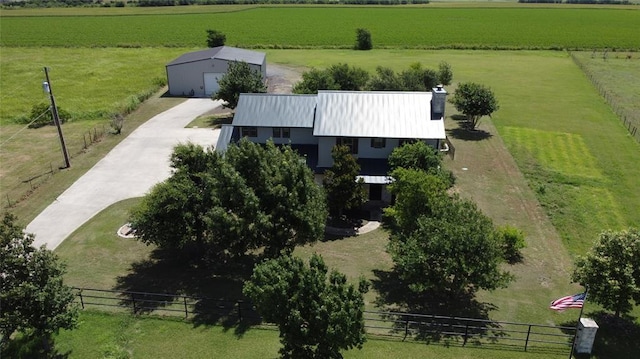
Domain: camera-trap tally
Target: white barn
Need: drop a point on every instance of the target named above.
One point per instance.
(196, 74)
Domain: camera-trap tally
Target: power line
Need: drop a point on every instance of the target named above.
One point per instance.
(24, 128)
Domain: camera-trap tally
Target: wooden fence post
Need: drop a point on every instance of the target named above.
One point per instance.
(526, 342)
(406, 328)
(466, 333)
(239, 304)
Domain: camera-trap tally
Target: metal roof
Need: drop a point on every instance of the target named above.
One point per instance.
(376, 114)
(224, 138)
(275, 110)
(222, 53)
(236, 54)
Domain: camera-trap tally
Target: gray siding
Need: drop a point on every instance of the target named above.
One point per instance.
(299, 136)
(187, 77)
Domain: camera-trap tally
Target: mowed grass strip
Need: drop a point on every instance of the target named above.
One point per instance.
(334, 27)
(565, 153)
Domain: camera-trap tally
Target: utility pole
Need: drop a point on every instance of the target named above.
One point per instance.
(56, 119)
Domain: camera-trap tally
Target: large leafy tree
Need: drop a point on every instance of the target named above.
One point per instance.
(417, 78)
(453, 252)
(335, 77)
(33, 297)
(344, 189)
(317, 314)
(441, 246)
(420, 156)
(349, 78)
(385, 79)
(474, 101)
(239, 78)
(314, 80)
(417, 194)
(216, 206)
(611, 270)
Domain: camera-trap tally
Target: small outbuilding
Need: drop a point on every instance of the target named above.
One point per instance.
(197, 73)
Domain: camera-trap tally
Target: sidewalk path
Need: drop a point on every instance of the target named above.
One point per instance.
(129, 170)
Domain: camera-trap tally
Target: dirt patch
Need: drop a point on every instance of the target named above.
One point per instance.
(281, 78)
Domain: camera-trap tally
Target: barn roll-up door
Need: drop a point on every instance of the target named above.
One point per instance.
(211, 82)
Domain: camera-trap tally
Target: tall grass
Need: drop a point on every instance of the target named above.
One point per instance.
(90, 83)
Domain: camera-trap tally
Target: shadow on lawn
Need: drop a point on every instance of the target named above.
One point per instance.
(28, 347)
(443, 320)
(616, 338)
(465, 134)
(216, 289)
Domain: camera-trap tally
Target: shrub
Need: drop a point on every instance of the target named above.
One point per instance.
(512, 241)
(215, 38)
(42, 115)
(445, 75)
(363, 39)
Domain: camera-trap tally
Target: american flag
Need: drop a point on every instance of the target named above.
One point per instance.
(570, 301)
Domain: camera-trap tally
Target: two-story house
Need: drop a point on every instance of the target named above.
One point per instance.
(371, 124)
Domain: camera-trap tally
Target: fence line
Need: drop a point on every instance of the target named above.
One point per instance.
(631, 120)
(20, 192)
(398, 325)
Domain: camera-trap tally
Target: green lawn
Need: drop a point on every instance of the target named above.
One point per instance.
(122, 336)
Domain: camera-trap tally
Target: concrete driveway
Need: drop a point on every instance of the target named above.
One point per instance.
(129, 170)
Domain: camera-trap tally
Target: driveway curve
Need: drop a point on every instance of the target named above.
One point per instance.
(129, 170)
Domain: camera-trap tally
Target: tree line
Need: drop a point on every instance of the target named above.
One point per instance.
(155, 3)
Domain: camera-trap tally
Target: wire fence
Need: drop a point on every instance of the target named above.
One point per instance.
(397, 325)
(630, 118)
(15, 190)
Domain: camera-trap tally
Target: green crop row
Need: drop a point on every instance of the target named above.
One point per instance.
(334, 27)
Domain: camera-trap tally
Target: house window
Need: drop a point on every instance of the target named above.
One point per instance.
(281, 132)
(350, 142)
(251, 131)
(378, 142)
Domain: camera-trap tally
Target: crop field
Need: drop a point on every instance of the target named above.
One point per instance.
(334, 27)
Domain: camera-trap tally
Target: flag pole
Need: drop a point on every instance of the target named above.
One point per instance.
(575, 335)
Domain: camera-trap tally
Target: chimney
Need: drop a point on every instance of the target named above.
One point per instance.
(438, 100)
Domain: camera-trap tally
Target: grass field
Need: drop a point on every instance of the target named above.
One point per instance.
(122, 336)
(87, 82)
(32, 153)
(617, 78)
(334, 27)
